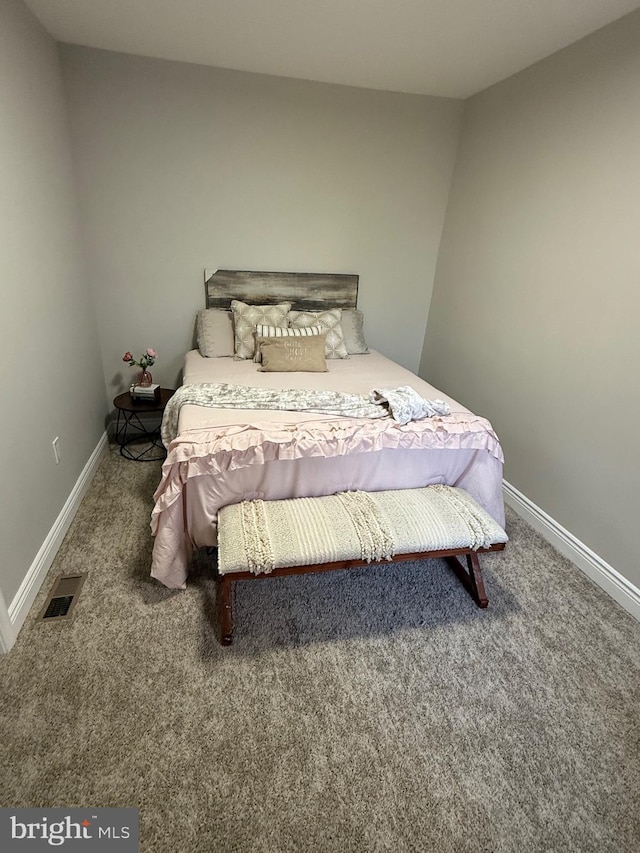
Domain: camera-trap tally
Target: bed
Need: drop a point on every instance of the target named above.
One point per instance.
(222, 456)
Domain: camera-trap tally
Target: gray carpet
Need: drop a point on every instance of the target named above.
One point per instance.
(370, 710)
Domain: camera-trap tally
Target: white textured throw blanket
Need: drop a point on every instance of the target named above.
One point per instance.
(403, 404)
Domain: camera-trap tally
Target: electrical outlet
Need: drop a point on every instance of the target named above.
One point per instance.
(56, 449)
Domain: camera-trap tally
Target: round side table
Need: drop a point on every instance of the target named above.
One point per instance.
(131, 429)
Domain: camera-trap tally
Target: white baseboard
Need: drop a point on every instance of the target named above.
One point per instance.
(7, 633)
(13, 617)
(610, 580)
(604, 575)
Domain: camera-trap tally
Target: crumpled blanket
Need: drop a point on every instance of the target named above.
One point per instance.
(402, 403)
(405, 404)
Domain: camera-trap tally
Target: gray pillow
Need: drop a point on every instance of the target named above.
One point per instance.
(214, 332)
(353, 329)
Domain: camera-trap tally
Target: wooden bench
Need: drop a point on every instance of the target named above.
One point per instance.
(262, 539)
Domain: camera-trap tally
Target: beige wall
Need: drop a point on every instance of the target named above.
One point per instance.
(534, 316)
(184, 167)
(50, 370)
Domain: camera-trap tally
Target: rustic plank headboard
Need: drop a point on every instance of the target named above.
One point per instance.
(306, 291)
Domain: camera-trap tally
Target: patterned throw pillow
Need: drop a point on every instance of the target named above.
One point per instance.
(353, 329)
(329, 322)
(263, 331)
(214, 332)
(245, 319)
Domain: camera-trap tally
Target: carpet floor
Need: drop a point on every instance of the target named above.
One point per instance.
(370, 710)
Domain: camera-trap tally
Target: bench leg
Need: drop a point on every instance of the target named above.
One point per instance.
(225, 611)
(471, 579)
(477, 581)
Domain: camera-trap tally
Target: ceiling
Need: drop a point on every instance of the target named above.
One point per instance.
(451, 48)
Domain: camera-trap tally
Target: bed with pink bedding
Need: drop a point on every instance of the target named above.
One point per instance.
(224, 456)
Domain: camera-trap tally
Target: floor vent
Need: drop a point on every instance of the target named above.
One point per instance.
(63, 597)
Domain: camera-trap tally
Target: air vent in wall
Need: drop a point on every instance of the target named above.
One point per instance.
(63, 597)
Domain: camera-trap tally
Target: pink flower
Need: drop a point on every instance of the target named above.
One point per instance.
(147, 358)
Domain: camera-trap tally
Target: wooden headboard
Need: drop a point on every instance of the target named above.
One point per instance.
(305, 291)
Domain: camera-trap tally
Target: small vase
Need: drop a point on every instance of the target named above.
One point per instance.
(144, 378)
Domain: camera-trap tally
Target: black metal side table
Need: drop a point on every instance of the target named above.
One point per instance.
(131, 428)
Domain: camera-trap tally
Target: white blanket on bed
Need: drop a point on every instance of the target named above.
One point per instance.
(403, 404)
